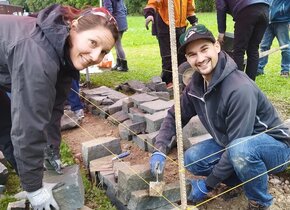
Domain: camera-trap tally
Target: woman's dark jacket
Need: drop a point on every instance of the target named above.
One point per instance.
(232, 107)
(33, 66)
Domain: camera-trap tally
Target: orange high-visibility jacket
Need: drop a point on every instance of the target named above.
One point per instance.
(182, 10)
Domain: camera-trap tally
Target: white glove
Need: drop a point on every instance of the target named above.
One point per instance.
(43, 198)
(220, 38)
(149, 19)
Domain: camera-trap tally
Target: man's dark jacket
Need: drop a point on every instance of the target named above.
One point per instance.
(232, 107)
(33, 66)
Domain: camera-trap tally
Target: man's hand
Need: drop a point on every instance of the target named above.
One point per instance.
(43, 198)
(149, 19)
(157, 163)
(198, 190)
(220, 38)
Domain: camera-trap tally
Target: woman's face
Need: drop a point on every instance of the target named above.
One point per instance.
(89, 47)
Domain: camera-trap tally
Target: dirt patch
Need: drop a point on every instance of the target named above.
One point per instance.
(94, 127)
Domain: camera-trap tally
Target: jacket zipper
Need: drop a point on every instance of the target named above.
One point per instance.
(206, 114)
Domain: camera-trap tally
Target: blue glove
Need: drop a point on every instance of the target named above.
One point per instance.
(157, 163)
(198, 190)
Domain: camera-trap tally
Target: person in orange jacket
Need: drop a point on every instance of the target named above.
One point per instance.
(156, 11)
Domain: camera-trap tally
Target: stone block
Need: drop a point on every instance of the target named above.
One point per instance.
(137, 128)
(71, 194)
(156, 79)
(140, 200)
(126, 105)
(118, 117)
(154, 121)
(124, 131)
(141, 98)
(156, 106)
(116, 107)
(3, 174)
(18, 205)
(193, 128)
(90, 108)
(151, 137)
(132, 179)
(195, 140)
(100, 147)
(164, 95)
(160, 87)
(96, 100)
(69, 120)
(141, 141)
(117, 165)
(100, 164)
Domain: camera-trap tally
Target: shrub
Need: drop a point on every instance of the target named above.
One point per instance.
(205, 6)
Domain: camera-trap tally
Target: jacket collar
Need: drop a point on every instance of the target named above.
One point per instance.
(224, 67)
(55, 28)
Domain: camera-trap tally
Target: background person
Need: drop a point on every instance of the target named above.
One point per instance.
(39, 57)
(119, 11)
(278, 27)
(248, 136)
(156, 11)
(75, 101)
(251, 20)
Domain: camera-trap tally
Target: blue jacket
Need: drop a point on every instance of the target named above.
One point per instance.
(279, 11)
(233, 107)
(119, 11)
(232, 7)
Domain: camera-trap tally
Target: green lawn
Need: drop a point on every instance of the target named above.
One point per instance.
(144, 62)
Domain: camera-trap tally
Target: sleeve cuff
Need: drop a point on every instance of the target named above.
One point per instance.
(212, 181)
(148, 12)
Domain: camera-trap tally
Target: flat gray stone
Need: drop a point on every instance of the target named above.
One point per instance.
(129, 181)
(17, 205)
(126, 105)
(118, 117)
(3, 174)
(140, 200)
(151, 138)
(71, 194)
(195, 140)
(154, 121)
(96, 100)
(156, 106)
(100, 147)
(141, 141)
(69, 120)
(141, 98)
(124, 131)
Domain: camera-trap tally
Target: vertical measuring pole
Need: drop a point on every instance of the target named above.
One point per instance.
(176, 95)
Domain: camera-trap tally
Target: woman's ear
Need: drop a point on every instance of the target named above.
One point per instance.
(74, 25)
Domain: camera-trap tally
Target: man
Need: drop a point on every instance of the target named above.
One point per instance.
(278, 27)
(251, 20)
(248, 137)
(157, 13)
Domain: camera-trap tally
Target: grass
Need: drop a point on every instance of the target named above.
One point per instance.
(144, 62)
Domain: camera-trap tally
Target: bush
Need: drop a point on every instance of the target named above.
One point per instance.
(205, 6)
(135, 7)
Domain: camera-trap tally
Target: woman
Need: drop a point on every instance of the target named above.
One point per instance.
(118, 9)
(39, 57)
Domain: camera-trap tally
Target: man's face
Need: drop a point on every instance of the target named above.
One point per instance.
(89, 47)
(202, 55)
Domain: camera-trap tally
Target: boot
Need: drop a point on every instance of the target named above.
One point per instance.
(253, 205)
(118, 63)
(123, 65)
